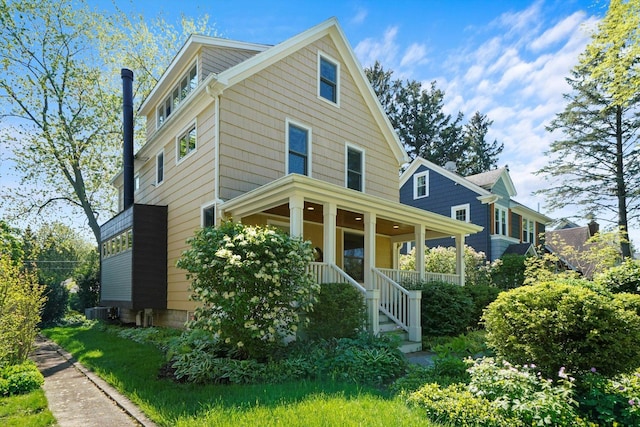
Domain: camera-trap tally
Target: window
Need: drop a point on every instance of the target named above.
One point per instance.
(461, 213)
(328, 74)
(118, 244)
(187, 143)
(186, 85)
(159, 167)
(528, 230)
(500, 221)
(136, 183)
(421, 185)
(355, 168)
(209, 216)
(298, 149)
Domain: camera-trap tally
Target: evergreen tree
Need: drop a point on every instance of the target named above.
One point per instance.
(480, 155)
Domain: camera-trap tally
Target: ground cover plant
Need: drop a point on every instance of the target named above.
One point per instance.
(28, 409)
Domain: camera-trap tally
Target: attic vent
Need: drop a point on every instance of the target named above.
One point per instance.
(450, 166)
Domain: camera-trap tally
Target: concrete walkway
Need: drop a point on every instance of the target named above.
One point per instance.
(77, 397)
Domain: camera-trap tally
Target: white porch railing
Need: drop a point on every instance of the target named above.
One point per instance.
(330, 273)
(410, 276)
(399, 304)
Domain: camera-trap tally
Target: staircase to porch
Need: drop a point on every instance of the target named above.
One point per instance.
(389, 327)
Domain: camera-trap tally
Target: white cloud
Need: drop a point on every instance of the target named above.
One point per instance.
(415, 54)
(360, 16)
(563, 30)
(369, 50)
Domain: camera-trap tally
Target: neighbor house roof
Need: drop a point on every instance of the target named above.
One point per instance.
(488, 179)
(567, 244)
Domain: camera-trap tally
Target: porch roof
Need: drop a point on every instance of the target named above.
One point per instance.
(278, 192)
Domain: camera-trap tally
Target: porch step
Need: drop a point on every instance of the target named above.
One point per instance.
(388, 327)
(410, 347)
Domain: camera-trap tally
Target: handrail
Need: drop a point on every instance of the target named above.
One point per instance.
(394, 299)
(410, 276)
(331, 273)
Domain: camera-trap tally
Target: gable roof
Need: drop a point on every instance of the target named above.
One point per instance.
(520, 249)
(488, 179)
(567, 244)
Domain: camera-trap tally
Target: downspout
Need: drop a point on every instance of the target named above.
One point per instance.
(215, 94)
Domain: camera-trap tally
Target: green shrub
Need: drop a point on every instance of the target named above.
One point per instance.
(56, 303)
(339, 312)
(481, 296)
(557, 324)
(446, 309)
(622, 278)
(610, 401)
(252, 283)
(20, 379)
(508, 271)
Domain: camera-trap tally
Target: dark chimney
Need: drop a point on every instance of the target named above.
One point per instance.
(127, 119)
(594, 227)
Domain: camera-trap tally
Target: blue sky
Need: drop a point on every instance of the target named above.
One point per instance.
(506, 59)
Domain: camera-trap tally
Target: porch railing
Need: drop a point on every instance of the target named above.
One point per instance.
(409, 276)
(330, 273)
(399, 304)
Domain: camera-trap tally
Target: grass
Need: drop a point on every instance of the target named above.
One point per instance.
(26, 410)
(133, 369)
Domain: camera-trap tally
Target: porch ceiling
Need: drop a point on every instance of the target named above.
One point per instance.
(392, 218)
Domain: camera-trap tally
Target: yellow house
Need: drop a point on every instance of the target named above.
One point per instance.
(290, 135)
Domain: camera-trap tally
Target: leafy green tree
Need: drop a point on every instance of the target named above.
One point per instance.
(596, 163)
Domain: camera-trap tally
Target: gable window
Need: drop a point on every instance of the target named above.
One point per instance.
(298, 149)
(136, 183)
(328, 74)
(461, 213)
(355, 168)
(209, 216)
(186, 85)
(187, 142)
(528, 230)
(500, 221)
(159, 167)
(421, 185)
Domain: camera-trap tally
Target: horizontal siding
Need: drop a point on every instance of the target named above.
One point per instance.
(218, 59)
(253, 117)
(117, 272)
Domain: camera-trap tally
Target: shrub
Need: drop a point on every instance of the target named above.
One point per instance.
(339, 312)
(622, 278)
(88, 280)
(20, 379)
(610, 401)
(508, 271)
(556, 324)
(252, 283)
(446, 309)
(56, 302)
(481, 296)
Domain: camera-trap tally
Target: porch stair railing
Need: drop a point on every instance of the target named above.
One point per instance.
(399, 304)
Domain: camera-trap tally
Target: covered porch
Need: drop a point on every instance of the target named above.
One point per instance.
(358, 237)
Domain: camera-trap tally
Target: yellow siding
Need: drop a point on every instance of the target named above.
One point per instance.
(252, 129)
(218, 59)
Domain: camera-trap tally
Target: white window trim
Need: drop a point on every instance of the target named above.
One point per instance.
(506, 222)
(531, 231)
(289, 122)
(466, 207)
(208, 205)
(322, 55)
(169, 94)
(415, 185)
(346, 164)
(185, 130)
(164, 172)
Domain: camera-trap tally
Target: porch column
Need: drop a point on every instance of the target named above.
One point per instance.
(420, 234)
(460, 257)
(396, 256)
(296, 215)
(369, 249)
(330, 211)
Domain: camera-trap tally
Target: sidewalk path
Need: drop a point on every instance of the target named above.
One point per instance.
(77, 397)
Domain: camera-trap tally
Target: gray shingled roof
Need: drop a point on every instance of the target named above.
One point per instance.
(486, 180)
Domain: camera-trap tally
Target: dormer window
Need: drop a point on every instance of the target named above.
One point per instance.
(328, 79)
(186, 85)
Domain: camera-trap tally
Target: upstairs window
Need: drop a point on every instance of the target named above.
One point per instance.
(298, 149)
(186, 85)
(328, 74)
(528, 230)
(421, 185)
(461, 213)
(187, 142)
(159, 167)
(209, 216)
(355, 169)
(500, 221)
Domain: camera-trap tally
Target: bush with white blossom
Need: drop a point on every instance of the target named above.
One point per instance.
(253, 285)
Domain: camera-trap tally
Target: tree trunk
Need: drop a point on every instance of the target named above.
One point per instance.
(621, 189)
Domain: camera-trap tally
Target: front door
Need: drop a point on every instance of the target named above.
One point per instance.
(354, 255)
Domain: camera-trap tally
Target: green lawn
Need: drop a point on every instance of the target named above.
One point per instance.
(25, 410)
(133, 368)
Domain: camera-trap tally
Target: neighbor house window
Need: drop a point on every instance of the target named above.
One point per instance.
(186, 85)
(461, 213)
(136, 183)
(528, 230)
(209, 216)
(328, 74)
(159, 167)
(187, 142)
(421, 185)
(500, 221)
(355, 168)
(298, 156)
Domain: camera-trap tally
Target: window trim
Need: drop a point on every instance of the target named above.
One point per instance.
(323, 56)
(185, 131)
(465, 207)
(531, 232)
(353, 147)
(415, 185)
(505, 212)
(169, 98)
(203, 208)
(160, 153)
(288, 124)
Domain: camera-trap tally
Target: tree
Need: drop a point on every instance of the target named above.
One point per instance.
(61, 98)
(596, 166)
(480, 155)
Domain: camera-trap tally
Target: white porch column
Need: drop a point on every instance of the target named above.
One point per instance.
(415, 326)
(329, 212)
(369, 249)
(420, 234)
(296, 215)
(396, 255)
(460, 257)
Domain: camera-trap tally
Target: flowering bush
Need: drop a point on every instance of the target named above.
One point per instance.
(610, 401)
(253, 285)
